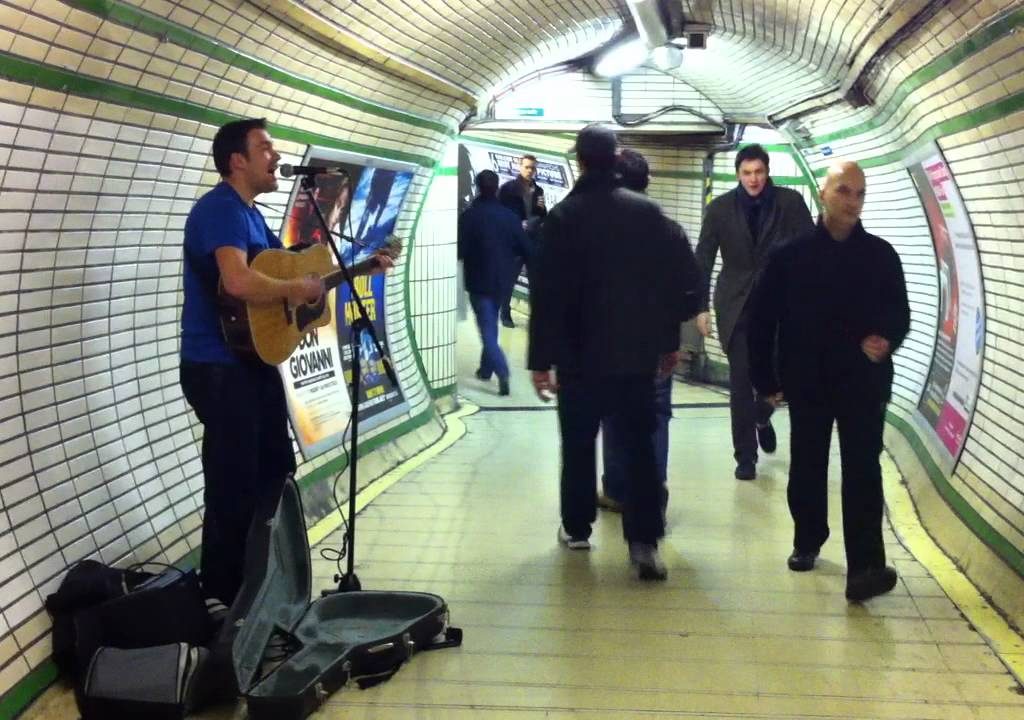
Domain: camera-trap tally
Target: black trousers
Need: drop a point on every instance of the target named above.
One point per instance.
(746, 409)
(247, 454)
(628, 400)
(860, 425)
(515, 270)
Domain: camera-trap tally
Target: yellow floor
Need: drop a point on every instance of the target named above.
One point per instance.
(551, 633)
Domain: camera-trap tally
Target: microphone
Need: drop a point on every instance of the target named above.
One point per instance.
(296, 170)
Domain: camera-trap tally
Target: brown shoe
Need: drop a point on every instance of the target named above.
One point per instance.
(607, 503)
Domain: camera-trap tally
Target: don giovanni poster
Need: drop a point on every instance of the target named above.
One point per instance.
(360, 206)
(951, 390)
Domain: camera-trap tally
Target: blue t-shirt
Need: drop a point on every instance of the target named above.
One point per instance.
(220, 218)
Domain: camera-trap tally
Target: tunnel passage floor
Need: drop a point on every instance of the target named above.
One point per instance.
(552, 633)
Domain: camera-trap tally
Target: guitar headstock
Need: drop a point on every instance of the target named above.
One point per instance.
(393, 246)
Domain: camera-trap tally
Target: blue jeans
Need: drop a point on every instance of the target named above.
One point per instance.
(615, 461)
(492, 359)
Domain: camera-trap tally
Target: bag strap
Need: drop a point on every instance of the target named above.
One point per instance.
(140, 565)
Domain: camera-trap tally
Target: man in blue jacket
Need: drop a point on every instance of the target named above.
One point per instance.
(491, 238)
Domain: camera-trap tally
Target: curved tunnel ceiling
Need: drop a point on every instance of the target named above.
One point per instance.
(762, 58)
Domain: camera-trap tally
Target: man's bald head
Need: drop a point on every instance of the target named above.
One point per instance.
(842, 197)
(842, 170)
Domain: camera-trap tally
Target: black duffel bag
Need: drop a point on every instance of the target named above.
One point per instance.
(162, 610)
(86, 584)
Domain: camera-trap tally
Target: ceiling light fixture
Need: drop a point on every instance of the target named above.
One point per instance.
(621, 58)
(666, 57)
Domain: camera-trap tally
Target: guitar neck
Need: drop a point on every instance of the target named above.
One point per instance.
(337, 277)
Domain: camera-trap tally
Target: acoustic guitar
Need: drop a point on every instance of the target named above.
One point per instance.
(272, 330)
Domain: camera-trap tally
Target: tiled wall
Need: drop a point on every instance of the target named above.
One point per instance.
(433, 278)
(105, 131)
(106, 114)
(957, 81)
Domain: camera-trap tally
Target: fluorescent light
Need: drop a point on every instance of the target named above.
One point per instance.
(621, 58)
(667, 57)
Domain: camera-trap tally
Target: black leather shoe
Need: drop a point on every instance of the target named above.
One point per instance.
(503, 388)
(746, 471)
(766, 438)
(481, 375)
(868, 584)
(507, 322)
(801, 561)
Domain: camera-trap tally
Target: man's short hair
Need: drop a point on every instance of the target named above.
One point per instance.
(751, 152)
(527, 156)
(634, 173)
(487, 183)
(595, 148)
(233, 138)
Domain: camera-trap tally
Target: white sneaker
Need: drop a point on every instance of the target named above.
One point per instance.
(573, 543)
(644, 557)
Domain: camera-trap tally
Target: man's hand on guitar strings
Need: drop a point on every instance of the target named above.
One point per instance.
(309, 289)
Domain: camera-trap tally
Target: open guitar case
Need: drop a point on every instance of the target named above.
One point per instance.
(288, 654)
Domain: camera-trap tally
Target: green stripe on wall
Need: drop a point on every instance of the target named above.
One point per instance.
(65, 81)
(942, 64)
(168, 31)
(967, 121)
(970, 517)
(27, 689)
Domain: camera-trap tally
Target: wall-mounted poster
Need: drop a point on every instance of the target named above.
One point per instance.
(553, 175)
(951, 390)
(360, 206)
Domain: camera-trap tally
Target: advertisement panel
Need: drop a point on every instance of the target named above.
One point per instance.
(361, 207)
(951, 390)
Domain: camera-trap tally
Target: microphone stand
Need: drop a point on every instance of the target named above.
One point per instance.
(361, 324)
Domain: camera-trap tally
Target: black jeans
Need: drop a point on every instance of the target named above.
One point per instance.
(247, 454)
(746, 409)
(515, 271)
(628, 401)
(860, 426)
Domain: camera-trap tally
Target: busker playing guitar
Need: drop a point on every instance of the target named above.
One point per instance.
(239, 399)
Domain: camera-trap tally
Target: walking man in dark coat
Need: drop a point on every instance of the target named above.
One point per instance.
(745, 224)
(607, 300)
(491, 238)
(834, 306)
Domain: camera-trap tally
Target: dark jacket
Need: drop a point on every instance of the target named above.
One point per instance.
(725, 229)
(611, 284)
(816, 301)
(511, 196)
(490, 238)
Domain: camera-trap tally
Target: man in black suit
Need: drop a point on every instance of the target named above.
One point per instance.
(745, 223)
(606, 303)
(834, 306)
(523, 196)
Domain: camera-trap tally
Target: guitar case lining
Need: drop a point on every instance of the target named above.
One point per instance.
(289, 654)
